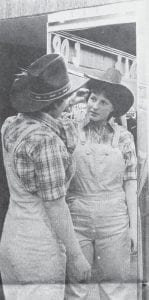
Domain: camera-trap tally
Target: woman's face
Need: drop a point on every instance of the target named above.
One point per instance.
(59, 108)
(99, 107)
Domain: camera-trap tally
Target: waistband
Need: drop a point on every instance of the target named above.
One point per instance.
(101, 196)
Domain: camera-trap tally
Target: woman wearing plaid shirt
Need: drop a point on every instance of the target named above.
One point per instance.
(38, 231)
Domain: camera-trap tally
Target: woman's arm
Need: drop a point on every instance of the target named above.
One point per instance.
(50, 180)
(130, 183)
(60, 219)
(130, 187)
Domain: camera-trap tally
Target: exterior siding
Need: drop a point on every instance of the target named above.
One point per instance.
(18, 8)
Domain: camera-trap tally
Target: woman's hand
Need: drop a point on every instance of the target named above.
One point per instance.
(134, 240)
(130, 187)
(79, 97)
(78, 269)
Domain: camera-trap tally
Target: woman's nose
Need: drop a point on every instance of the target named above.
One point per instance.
(95, 105)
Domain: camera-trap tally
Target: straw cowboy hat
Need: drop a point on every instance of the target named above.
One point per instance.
(119, 95)
(44, 81)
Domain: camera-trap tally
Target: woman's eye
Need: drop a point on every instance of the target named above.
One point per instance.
(103, 102)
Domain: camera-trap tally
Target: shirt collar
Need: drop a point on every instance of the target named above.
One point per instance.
(48, 120)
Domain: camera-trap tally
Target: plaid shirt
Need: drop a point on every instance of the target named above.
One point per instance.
(126, 143)
(41, 159)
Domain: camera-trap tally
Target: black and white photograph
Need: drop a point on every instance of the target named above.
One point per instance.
(74, 147)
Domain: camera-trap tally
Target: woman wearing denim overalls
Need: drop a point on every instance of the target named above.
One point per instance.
(102, 194)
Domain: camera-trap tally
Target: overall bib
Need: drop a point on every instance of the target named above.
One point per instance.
(32, 259)
(98, 208)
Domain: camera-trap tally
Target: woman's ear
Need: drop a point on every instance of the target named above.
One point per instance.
(55, 105)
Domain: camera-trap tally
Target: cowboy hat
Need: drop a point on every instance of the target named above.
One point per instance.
(119, 95)
(44, 81)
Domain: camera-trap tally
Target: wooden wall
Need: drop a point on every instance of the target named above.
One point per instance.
(17, 8)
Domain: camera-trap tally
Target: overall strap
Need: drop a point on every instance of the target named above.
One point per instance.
(116, 136)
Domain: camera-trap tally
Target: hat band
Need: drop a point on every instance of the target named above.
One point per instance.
(51, 95)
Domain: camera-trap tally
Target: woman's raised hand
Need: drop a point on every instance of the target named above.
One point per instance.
(80, 96)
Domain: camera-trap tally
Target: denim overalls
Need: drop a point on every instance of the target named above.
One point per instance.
(99, 212)
(32, 259)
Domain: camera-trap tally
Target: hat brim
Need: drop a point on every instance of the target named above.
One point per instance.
(122, 97)
(20, 94)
